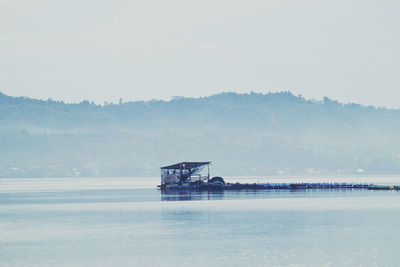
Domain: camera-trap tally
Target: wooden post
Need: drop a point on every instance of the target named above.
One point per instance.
(180, 178)
(208, 175)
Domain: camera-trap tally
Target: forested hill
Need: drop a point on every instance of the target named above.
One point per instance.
(243, 134)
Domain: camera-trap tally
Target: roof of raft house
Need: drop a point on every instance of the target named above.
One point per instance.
(188, 165)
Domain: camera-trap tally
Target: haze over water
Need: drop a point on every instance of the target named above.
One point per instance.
(127, 221)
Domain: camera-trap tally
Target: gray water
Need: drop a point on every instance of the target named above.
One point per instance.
(127, 221)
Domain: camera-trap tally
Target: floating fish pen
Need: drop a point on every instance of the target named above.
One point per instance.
(187, 176)
(264, 186)
(383, 187)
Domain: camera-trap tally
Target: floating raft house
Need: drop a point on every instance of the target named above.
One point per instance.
(184, 173)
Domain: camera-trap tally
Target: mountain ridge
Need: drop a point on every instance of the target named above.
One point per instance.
(244, 134)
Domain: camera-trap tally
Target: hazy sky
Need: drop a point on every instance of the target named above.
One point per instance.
(105, 50)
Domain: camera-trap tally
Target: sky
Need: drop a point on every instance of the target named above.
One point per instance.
(101, 51)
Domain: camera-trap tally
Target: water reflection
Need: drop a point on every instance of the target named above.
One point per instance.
(187, 195)
(184, 195)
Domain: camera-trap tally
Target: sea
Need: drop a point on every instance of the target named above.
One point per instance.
(129, 222)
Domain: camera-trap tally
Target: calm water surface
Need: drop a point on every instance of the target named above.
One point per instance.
(127, 221)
